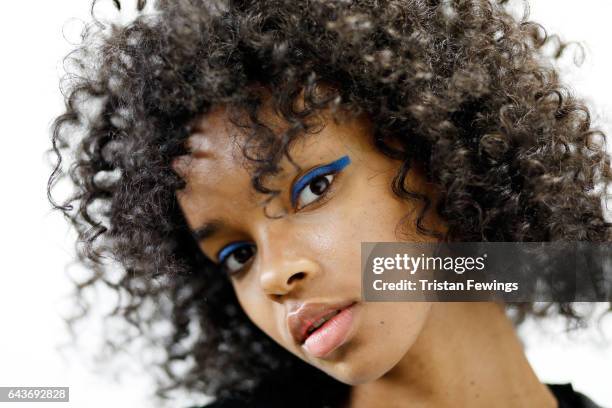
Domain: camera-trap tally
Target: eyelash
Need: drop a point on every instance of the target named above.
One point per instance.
(306, 180)
(333, 168)
(321, 199)
(223, 256)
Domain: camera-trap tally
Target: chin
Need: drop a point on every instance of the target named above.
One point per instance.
(360, 371)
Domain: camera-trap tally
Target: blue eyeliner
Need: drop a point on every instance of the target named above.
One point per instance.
(226, 251)
(332, 167)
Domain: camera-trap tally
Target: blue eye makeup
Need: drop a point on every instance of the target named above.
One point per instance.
(306, 179)
(235, 257)
(227, 251)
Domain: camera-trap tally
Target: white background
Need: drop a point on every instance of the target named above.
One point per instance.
(37, 244)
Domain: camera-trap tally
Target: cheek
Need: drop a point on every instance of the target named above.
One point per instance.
(256, 306)
(366, 211)
(262, 314)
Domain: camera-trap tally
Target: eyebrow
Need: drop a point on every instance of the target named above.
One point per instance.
(207, 230)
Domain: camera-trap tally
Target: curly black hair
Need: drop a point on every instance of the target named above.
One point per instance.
(462, 87)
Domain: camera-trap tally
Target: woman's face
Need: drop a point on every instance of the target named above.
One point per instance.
(298, 277)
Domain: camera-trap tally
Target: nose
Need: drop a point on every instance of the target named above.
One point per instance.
(285, 266)
(284, 276)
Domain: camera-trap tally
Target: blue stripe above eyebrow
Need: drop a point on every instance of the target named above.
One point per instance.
(227, 250)
(332, 167)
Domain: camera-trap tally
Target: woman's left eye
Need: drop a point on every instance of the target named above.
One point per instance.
(314, 190)
(314, 184)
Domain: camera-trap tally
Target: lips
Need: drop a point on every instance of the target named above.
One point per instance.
(319, 321)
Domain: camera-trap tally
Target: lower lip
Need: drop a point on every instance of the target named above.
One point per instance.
(331, 335)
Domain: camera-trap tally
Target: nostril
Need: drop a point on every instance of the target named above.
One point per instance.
(296, 276)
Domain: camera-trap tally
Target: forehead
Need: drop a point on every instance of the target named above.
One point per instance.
(214, 148)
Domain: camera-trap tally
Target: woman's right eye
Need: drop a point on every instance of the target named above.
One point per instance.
(235, 256)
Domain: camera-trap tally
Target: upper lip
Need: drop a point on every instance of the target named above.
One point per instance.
(304, 315)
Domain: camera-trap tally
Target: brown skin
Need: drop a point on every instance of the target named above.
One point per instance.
(431, 354)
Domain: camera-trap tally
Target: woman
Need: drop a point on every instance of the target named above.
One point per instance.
(241, 151)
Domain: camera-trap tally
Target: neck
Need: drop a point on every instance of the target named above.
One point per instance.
(468, 354)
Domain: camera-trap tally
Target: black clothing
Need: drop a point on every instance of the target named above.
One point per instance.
(565, 394)
(569, 398)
